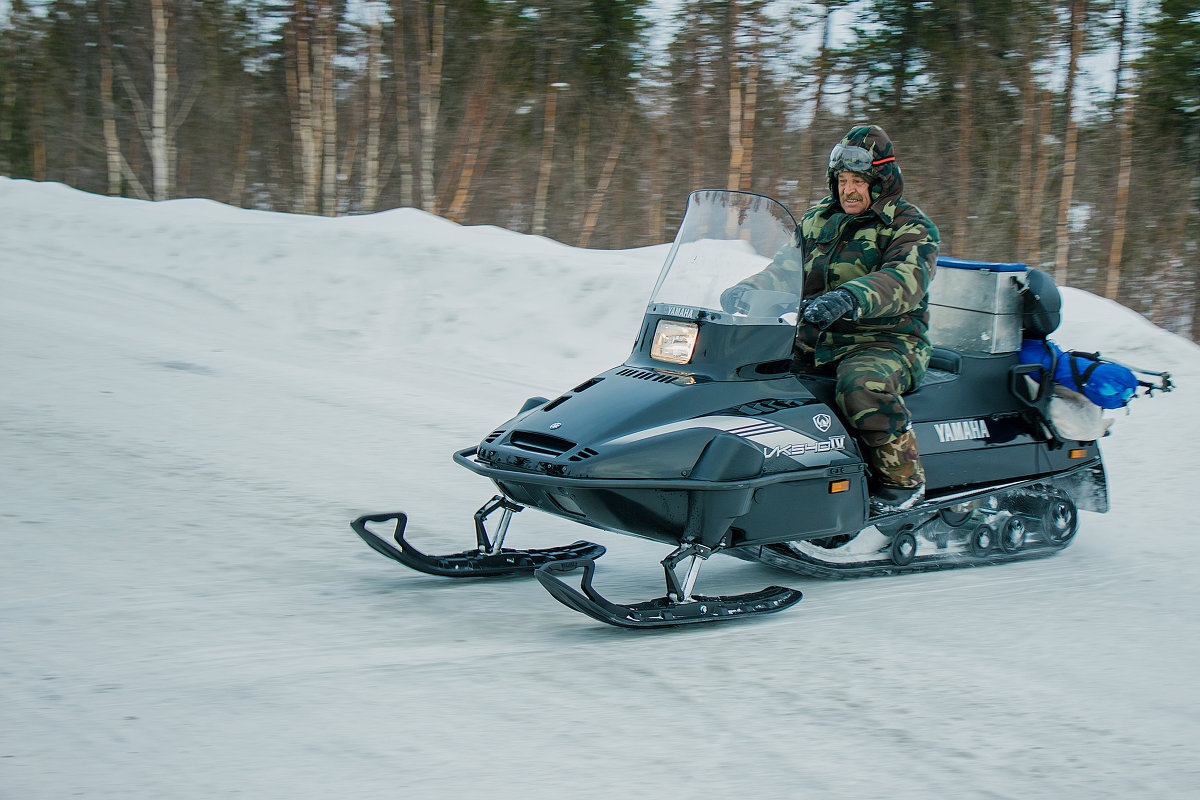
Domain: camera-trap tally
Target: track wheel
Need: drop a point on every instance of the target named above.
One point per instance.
(1011, 536)
(981, 540)
(904, 548)
(1060, 520)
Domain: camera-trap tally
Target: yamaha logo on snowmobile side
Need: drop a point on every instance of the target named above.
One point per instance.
(803, 448)
(822, 421)
(962, 431)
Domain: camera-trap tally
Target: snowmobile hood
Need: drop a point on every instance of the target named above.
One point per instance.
(887, 183)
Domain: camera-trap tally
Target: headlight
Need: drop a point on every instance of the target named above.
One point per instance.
(674, 341)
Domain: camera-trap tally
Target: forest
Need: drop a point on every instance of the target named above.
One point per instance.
(1039, 131)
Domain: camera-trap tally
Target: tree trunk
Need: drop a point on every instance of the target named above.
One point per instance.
(908, 26)
(327, 118)
(737, 149)
(431, 39)
(656, 213)
(238, 186)
(476, 165)
(745, 180)
(476, 135)
(112, 143)
(610, 166)
(1123, 111)
(804, 179)
(374, 109)
(304, 122)
(1042, 159)
(583, 138)
(1026, 214)
(404, 143)
(546, 162)
(1063, 231)
(966, 54)
(159, 146)
(37, 133)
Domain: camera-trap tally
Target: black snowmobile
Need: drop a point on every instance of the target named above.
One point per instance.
(706, 439)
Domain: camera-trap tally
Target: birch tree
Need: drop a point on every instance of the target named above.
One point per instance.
(1123, 108)
(112, 142)
(374, 110)
(546, 160)
(159, 133)
(404, 139)
(1067, 189)
(431, 40)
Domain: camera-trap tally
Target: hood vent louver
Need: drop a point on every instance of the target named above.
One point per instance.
(542, 443)
(583, 454)
(646, 375)
(586, 385)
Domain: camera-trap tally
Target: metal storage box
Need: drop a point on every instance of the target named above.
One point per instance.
(974, 306)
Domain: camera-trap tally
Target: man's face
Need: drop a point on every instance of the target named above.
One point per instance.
(854, 192)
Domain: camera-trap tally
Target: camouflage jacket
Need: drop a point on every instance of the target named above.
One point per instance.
(884, 256)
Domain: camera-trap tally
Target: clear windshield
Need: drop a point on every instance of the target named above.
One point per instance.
(726, 237)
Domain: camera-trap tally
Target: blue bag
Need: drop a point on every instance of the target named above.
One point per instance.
(1106, 384)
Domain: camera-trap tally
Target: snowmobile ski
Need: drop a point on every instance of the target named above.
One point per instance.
(488, 559)
(662, 612)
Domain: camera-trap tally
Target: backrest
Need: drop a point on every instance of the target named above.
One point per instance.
(1041, 304)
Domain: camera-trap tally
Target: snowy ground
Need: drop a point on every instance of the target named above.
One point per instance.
(195, 400)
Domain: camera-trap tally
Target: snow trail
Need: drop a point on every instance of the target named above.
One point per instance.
(196, 401)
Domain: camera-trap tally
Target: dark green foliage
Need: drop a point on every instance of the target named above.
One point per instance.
(1170, 94)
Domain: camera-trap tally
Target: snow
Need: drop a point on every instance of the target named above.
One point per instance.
(197, 399)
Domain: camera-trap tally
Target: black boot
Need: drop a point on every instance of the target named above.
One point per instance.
(889, 499)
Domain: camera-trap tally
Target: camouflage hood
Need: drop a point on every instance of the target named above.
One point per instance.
(887, 184)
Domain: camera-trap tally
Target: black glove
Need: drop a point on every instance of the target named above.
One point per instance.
(830, 307)
(731, 297)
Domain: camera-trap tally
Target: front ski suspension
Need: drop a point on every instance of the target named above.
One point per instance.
(485, 511)
(698, 554)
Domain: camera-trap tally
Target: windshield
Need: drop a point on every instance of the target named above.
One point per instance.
(726, 237)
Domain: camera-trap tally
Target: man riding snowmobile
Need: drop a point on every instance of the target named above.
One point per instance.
(710, 438)
(864, 264)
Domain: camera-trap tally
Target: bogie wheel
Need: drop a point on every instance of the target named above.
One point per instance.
(904, 548)
(1011, 536)
(981, 540)
(1060, 521)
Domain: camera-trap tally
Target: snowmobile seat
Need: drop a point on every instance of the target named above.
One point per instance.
(961, 385)
(946, 360)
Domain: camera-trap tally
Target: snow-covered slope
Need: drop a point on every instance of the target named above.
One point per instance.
(196, 399)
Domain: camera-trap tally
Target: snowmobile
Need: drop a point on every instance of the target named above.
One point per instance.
(709, 440)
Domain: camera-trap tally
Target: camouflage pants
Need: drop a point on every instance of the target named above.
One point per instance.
(870, 382)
